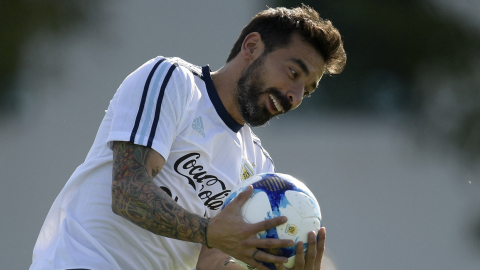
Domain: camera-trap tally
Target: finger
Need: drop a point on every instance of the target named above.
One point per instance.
(267, 257)
(261, 256)
(311, 250)
(267, 224)
(241, 198)
(267, 242)
(320, 247)
(299, 257)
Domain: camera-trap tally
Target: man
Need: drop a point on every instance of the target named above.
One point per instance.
(176, 139)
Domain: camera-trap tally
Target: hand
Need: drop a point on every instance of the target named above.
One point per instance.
(312, 260)
(229, 233)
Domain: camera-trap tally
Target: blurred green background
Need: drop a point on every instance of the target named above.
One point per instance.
(412, 81)
(21, 21)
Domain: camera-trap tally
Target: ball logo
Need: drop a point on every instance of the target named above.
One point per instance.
(291, 229)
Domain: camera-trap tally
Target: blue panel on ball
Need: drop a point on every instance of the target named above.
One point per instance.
(275, 188)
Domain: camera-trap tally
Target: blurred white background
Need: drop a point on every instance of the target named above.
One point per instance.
(388, 202)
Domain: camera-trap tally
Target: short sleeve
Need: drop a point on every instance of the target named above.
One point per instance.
(149, 104)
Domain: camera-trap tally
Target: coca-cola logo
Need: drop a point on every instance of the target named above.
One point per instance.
(187, 167)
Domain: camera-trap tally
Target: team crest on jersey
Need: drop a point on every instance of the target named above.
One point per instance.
(197, 125)
(247, 171)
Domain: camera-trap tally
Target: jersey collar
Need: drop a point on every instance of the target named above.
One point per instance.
(217, 102)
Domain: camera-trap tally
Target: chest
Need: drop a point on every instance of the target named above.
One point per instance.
(206, 161)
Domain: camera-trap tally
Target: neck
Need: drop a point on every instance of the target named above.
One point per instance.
(225, 82)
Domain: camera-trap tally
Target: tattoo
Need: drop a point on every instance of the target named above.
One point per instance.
(229, 260)
(155, 171)
(136, 197)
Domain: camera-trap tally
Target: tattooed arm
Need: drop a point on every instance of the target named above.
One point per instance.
(136, 197)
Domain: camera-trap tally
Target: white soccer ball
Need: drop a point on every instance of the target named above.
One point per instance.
(277, 194)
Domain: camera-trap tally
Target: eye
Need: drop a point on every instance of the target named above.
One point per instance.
(294, 73)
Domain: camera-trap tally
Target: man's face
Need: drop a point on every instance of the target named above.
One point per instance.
(250, 88)
(277, 82)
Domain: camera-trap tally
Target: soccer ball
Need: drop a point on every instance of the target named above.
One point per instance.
(277, 194)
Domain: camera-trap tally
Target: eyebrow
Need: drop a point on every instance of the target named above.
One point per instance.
(302, 65)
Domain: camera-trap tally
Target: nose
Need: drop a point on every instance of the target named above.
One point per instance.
(295, 94)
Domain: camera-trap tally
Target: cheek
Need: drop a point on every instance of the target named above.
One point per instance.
(277, 80)
(272, 72)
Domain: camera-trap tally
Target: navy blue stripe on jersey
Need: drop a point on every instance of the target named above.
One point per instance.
(217, 102)
(142, 102)
(159, 104)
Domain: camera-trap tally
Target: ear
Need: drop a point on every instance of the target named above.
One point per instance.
(252, 46)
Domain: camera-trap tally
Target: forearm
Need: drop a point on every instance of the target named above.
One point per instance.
(136, 197)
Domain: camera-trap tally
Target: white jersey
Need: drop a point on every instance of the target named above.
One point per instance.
(172, 107)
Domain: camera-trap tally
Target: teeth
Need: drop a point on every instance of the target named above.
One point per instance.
(279, 108)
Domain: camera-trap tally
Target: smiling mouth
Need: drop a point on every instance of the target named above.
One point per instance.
(277, 104)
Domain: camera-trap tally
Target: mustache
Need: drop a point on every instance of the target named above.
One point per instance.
(284, 101)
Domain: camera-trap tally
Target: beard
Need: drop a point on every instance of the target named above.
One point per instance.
(250, 88)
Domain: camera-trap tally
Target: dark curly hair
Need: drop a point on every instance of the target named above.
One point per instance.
(276, 26)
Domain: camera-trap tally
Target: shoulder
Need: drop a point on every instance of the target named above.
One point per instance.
(172, 77)
(186, 67)
(157, 80)
(165, 69)
(180, 71)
